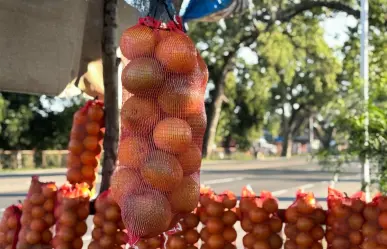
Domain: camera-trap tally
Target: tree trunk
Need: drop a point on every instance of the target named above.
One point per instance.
(213, 116)
(110, 78)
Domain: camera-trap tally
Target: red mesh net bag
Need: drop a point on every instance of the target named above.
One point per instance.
(71, 212)
(374, 229)
(345, 219)
(304, 218)
(260, 220)
(162, 122)
(85, 144)
(109, 230)
(10, 226)
(37, 215)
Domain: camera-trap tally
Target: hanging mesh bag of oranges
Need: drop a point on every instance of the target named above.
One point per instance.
(162, 126)
(85, 144)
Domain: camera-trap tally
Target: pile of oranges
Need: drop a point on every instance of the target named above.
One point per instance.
(37, 215)
(10, 226)
(218, 215)
(345, 220)
(151, 243)
(85, 144)
(260, 220)
(187, 235)
(375, 227)
(304, 223)
(163, 122)
(109, 230)
(71, 213)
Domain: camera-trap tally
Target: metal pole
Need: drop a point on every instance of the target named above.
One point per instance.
(364, 77)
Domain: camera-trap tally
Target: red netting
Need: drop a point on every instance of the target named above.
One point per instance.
(109, 230)
(37, 215)
(345, 219)
(71, 212)
(10, 226)
(304, 218)
(260, 221)
(374, 229)
(162, 122)
(85, 144)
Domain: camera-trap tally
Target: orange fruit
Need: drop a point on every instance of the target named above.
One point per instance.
(89, 157)
(191, 236)
(90, 143)
(291, 231)
(73, 160)
(176, 242)
(150, 214)
(340, 242)
(76, 147)
(258, 215)
(382, 237)
(177, 53)
(304, 224)
(275, 224)
(96, 113)
(138, 41)
(356, 221)
(214, 225)
(304, 239)
(291, 214)
(172, 135)
(162, 170)
(261, 244)
(355, 237)
(382, 220)
(185, 197)
(190, 160)
(78, 132)
(270, 205)
(216, 241)
(198, 123)
(181, 101)
(371, 213)
(80, 117)
(132, 152)
(229, 234)
(261, 231)
(124, 180)
(275, 241)
(249, 240)
(317, 233)
(93, 128)
(191, 220)
(230, 218)
(140, 114)
(74, 175)
(143, 76)
(88, 171)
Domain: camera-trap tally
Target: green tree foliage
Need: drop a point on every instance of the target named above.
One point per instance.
(221, 44)
(26, 124)
(347, 121)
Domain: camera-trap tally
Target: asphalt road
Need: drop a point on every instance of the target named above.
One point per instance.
(282, 177)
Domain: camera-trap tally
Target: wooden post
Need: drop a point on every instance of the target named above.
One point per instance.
(110, 78)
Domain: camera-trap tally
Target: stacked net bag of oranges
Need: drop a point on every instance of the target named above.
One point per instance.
(37, 215)
(345, 219)
(109, 230)
(305, 219)
(10, 227)
(260, 220)
(162, 126)
(375, 226)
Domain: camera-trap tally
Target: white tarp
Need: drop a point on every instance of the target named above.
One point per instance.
(45, 44)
